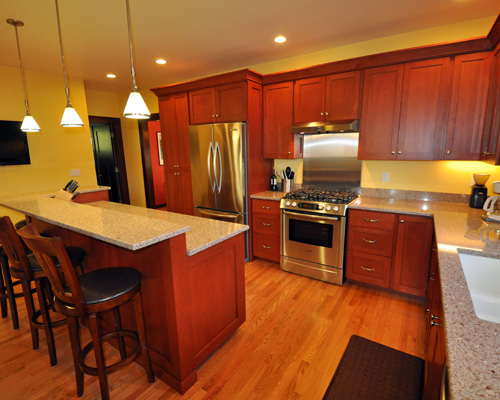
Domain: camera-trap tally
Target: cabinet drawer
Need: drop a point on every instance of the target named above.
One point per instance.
(266, 207)
(266, 224)
(372, 219)
(368, 268)
(373, 241)
(266, 246)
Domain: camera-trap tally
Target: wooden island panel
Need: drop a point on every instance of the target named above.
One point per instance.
(192, 304)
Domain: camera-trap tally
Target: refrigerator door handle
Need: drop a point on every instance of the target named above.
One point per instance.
(219, 180)
(210, 157)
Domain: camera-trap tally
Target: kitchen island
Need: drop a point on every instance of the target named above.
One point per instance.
(193, 272)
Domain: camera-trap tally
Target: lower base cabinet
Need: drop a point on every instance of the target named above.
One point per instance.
(266, 229)
(389, 250)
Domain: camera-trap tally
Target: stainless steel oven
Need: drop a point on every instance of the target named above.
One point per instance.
(313, 245)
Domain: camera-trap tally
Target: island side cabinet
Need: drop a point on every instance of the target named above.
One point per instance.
(266, 229)
(389, 250)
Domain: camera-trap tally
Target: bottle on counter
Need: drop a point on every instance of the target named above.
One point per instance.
(274, 181)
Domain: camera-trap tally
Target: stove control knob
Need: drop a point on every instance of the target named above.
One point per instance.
(328, 208)
(336, 208)
(294, 204)
(321, 208)
(287, 204)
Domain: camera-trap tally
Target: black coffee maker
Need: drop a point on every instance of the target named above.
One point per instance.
(479, 192)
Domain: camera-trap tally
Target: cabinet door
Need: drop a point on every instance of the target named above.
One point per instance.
(279, 142)
(490, 150)
(309, 100)
(202, 106)
(342, 96)
(179, 191)
(382, 90)
(231, 104)
(425, 94)
(174, 117)
(471, 75)
(412, 257)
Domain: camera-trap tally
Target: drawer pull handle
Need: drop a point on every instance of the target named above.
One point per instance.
(266, 207)
(266, 224)
(434, 324)
(369, 241)
(368, 268)
(371, 220)
(266, 247)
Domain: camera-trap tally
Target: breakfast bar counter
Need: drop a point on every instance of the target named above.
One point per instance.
(193, 272)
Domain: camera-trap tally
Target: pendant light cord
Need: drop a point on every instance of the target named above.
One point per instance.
(62, 55)
(130, 46)
(23, 78)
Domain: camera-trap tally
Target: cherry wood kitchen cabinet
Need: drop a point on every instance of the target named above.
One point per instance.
(404, 109)
(225, 103)
(469, 93)
(491, 145)
(327, 98)
(389, 250)
(266, 229)
(412, 254)
(435, 346)
(179, 191)
(279, 142)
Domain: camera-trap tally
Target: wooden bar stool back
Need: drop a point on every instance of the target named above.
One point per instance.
(26, 268)
(7, 294)
(87, 296)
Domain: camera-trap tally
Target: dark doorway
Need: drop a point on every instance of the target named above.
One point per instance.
(147, 164)
(107, 145)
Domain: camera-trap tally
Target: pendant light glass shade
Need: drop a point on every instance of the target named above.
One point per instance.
(29, 124)
(70, 116)
(136, 106)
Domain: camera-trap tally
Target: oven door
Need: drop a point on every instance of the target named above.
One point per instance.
(314, 238)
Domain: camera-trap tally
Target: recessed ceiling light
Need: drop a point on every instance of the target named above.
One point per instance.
(111, 76)
(280, 39)
(161, 61)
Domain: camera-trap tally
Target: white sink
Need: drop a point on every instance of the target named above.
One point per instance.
(483, 278)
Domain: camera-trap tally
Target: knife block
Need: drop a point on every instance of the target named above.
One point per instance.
(64, 195)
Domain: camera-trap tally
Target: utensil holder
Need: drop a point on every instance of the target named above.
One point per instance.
(286, 185)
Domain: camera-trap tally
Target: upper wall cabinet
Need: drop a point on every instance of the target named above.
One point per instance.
(225, 103)
(491, 144)
(404, 109)
(279, 142)
(327, 98)
(469, 93)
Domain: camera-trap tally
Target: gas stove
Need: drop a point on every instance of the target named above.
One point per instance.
(319, 200)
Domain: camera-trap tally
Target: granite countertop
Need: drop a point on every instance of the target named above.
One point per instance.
(126, 226)
(268, 195)
(473, 345)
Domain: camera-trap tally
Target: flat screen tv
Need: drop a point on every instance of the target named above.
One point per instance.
(13, 144)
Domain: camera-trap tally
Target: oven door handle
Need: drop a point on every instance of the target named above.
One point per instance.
(323, 217)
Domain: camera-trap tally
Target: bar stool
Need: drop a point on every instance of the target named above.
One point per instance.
(26, 268)
(87, 296)
(7, 294)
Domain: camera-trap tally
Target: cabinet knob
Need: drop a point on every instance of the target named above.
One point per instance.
(289, 152)
(216, 115)
(393, 152)
(448, 151)
(213, 115)
(402, 221)
(326, 113)
(399, 152)
(321, 114)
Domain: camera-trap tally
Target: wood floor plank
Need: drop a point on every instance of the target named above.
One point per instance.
(295, 334)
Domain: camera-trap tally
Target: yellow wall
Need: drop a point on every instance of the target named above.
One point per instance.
(433, 176)
(53, 151)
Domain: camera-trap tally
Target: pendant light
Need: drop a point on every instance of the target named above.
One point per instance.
(70, 117)
(135, 107)
(29, 124)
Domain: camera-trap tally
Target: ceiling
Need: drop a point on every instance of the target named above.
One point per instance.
(204, 37)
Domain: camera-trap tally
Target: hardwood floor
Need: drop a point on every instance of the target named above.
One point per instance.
(295, 334)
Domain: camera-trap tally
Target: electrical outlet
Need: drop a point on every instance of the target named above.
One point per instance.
(75, 172)
(385, 176)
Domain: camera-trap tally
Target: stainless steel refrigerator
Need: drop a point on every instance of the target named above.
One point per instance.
(218, 171)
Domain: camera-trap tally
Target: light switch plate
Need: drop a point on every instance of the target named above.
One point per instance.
(75, 172)
(385, 176)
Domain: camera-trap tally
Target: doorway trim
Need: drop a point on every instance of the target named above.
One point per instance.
(149, 187)
(120, 154)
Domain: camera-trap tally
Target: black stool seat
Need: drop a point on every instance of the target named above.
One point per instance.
(20, 224)
(107, 284)
(76, 255)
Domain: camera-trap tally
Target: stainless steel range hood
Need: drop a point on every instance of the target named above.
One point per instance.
(326, 127)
